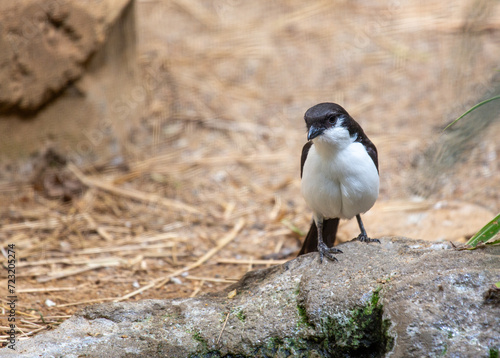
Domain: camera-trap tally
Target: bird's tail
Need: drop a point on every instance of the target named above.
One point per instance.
(330, 227)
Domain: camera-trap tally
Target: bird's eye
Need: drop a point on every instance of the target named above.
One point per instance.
(331, 119)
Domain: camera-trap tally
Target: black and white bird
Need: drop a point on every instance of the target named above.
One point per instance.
(340, 179)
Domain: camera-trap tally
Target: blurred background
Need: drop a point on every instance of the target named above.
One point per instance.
(151, 149)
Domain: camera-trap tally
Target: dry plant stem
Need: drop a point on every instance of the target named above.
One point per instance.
(159, 282)
(66, 261)
(210, 161)
(211, 279)
(131, 193)
(98, 300)
(44, 224)
(7, 308)
(46, 289)
(253, 262)
(198, 288)
(67, 273)
(223, 327)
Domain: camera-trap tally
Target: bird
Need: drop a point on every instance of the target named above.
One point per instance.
(339, 176)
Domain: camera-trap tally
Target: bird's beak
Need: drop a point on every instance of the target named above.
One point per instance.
(314, 132)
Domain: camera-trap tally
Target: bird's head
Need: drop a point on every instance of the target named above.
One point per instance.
(329, 122)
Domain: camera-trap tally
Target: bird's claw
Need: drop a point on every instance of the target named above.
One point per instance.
(325, 251)
(364, 238)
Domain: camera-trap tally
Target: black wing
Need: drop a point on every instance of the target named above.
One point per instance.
(355, 128)
(305, 150)
(372, 151)
(363, 139)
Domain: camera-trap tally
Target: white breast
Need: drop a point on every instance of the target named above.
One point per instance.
(339, 181)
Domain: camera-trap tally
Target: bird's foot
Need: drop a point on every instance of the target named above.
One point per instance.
(364, 238)
(325, 251)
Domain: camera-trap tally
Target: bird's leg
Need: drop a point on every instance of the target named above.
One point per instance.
(322, 248)
(363, 236)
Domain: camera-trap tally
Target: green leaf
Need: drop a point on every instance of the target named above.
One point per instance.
(487, 233)
(497, 284)
(292, 227)
(470, 110)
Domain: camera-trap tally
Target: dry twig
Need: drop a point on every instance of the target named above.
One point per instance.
(132, 193)
(162, 281)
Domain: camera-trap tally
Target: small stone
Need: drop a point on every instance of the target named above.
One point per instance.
(232, 294)
(50, 303)
(176, 280)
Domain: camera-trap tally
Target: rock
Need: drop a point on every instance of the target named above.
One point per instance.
(45, 45)
(402, 298)
(68, 78)
(52, 178)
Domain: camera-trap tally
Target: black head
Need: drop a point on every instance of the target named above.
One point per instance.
(325, 115)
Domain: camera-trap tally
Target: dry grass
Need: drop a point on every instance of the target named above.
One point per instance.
(117, 242)
(209, 186)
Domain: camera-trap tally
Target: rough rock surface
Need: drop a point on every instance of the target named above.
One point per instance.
(402, 298)
(45, 45)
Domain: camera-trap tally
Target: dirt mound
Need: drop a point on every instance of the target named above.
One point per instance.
(45, 46)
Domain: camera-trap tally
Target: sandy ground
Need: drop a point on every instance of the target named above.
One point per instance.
(220, 136)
